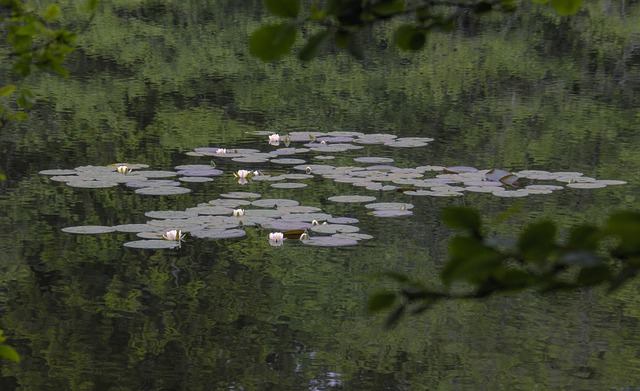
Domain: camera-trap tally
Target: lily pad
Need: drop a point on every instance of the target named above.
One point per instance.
(195, 179)
(91, 184)
(288, 161)
(241, 195)
(391, 213)
(89, 229)
(342, 220)
(389, 206)
(170, 214)
(229, 203)
(352, 198)
(282, 225)
(586, 185)
(134, 228)
(58, 172)
(157, 174)
(288, 185)
(308, 217)
(354, 236)
(218, 233)
(152, 244)
(137, 184)
(274, 202)
(162, 190)
(334, 228)
(329, 241)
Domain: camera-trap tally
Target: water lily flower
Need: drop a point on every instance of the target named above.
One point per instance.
(175, 235)
(221, 151)
(242, 181)
(274, 139)
(238, 212)
(123, 169)
(314, 222)
(256, 173)
(323, 142)
(308, 170)
(304, 236)
(276, 239)
(243, 174)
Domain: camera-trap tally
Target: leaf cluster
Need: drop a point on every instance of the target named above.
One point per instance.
(339, 21)
(37, 41)
(479, 266)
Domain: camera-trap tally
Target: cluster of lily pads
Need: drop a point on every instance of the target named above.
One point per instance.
(231, 215)
(228, 217)
(146, 182)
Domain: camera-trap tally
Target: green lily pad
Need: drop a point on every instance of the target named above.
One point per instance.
(274, 202)
(170, 214)
(391, 213)
(89, 229)
(210, 233)
(334, 228)
(91, 184)
(373, 159)
(163, 190)
(353, 235)
(134, 228)
(195, 179)
(288, 161)
(241, 195)
(329, 241)
(288, 185)
(352, 198)
(389, 206)
(586, 185)
(153, 244)
(58, 172)
(229, 203)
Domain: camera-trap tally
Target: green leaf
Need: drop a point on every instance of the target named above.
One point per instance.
(314, 45)
(394, 317)
(482, 7)
(51, 13)
(584, 237)
(537, 241)
(381, 301)
(9, 353)
(341, 38)
(566, 7)
(7, 90)
(92, 5)
(388, 7)
(626, 226)
(462, 218)
(284, 8)
(408, 37)
(590, 276)
(26, 99)
(470, 260)
(514, 278)
(272, 42)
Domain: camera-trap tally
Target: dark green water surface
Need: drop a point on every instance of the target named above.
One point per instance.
(151, 81)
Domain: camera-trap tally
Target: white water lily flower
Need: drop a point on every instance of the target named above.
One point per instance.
(314, 222)
(123, 169)
(242, 174)
(175, 235)
(242, 181)
(256, 173)
(238, 212)
(274, 139)
(323, 142)
(304, 236)
(221, 151)
(308, 170)
(276, 239)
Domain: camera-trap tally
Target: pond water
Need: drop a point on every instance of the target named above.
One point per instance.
(153, 82)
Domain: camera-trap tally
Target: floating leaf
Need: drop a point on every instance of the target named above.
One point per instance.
(89, 229)
(334, 228)
(218, 233)
(329, 241)
(352, 198)
(163, 190)
(153, 244)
